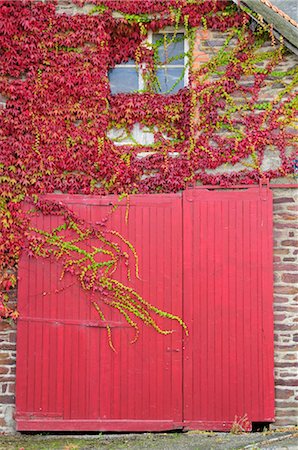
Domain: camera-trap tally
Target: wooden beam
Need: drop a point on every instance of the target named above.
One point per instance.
(279, 23)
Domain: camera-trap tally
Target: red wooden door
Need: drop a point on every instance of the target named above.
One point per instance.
(221, 254)
(68, 378)
(228, 298)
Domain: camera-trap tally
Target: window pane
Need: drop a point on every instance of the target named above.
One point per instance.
(168, 49)
(123, 79)
(168, 77)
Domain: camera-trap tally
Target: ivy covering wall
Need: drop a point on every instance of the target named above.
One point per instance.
(59, 112)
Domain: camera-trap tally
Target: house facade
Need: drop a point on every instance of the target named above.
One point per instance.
(137, 98)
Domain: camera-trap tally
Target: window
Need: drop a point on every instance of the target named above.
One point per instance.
(124, 78)
(170, 57)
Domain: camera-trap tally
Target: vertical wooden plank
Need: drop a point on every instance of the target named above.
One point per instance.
(226, 386)
(250, 220)
(267, 310)
(96, 336)
(173, 302)
(218, 307)
(146, 291)
(232, 306)
(44, 307)
(254, 300)
(210, 319)
(31, 340)
(239, 316)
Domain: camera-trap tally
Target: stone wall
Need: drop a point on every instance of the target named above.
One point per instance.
(7, 376)
(286, 305)
(207, 45)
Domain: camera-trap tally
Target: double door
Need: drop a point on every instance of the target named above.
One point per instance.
(205, 256)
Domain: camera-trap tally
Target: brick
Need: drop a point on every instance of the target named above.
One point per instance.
(287, 382)
(286, 267)
(4, 326)
(286, 216)
(289, 259)
(286, 364)
(286, 326)
(287, 309)
(287, 404)
(281, 251)
(283, 200)
(284, 394)
(8, 378)
(287, 412)
(290, 243)
(283, 374)
(279, 317)
(286, 225)
(289, 290)
(7, 399)
(281, 300)
(8, 361)
(287, 348)
(289, 277)
(9, 346)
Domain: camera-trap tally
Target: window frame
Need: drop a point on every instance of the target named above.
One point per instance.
(148, 42)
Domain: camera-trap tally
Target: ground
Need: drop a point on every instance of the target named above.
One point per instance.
(277, 440)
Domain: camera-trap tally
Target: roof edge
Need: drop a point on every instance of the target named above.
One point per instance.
(282, 24)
